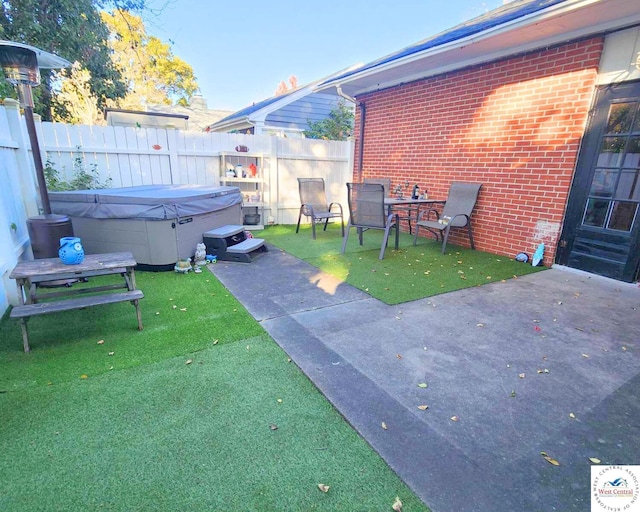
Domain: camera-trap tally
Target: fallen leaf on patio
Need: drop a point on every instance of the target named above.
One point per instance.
(174, 307)
(84, 376)
(513, 394)
(595, 460)
(423, 407)
(279, 400)
(157, 312)
(454, 418)
(460, 271)
(323, 487)
(624, 349)
(427, 272)
(273, 427)
(560, 302)
(544, 358)
(373, 270)
(579, 329)
(522, 375)
(384, 425)
(399, 356)
(488, 277)
(543, 371)
(183, 309)
(463, 278)
(188, 361)
(397, 505)
(576, 295)
(386, 273)
(101, 342)
(248, 347)
(572, 416)
(111, 353)
(288, 359)
(537, 328)
(170, 299)
(585, 356)
(549, 459)
(508, 366)
(422, 385)
(215, 342)
(479, 325)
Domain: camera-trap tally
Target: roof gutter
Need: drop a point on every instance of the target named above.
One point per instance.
(529, 19)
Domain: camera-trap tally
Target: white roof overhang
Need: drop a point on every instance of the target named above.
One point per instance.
(560, 23)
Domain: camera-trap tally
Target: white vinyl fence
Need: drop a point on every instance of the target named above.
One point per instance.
(126, 156)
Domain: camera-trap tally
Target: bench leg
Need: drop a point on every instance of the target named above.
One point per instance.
(138, 313)
(25, 334)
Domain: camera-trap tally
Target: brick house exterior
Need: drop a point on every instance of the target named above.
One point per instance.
(514, 125)
(537, 100)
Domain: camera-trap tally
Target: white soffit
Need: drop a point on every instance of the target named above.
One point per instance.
(564, 22)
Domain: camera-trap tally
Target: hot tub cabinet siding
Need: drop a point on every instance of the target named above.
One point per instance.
(159, 224)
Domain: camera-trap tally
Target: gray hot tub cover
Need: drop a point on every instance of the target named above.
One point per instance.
(150, 202)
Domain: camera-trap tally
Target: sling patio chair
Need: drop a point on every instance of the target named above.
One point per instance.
(456, 213)
(367, 211)
(407, 213)
(313, 203)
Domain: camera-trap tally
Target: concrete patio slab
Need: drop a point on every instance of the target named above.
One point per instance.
(548, 362)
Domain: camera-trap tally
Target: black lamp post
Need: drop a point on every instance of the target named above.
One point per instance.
(21, 63)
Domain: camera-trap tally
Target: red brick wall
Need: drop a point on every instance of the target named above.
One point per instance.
(513, 125)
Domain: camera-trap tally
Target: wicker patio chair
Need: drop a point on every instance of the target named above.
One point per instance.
(313, 203)
(367, 211)
(456, 213)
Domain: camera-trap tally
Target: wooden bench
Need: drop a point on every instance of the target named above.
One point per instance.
(26, 311)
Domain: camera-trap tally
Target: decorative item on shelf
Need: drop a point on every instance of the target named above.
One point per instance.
(242, 149)
(71, 251)
(416, 192)
(201, 254)
(240, 171)
(183, 266)
(230, 173)
(253, 170)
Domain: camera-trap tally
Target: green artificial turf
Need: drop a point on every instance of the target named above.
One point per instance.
(201, 411)
(410, 273)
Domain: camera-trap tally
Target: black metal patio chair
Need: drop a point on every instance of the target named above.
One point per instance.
(456, 213)
(313, 203)
(368, 211)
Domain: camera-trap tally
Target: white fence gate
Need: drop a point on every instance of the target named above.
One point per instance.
(129, 156)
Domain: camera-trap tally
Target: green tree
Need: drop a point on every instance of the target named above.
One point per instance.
(74, 102)
(337, 126)
(153, 75)
(71, 29)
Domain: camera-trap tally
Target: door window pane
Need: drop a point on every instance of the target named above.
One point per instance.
(604, 181)
(632, 157)
(596, 212)
(620, 117)
(628, 187)
(622, 215)
(611, 151)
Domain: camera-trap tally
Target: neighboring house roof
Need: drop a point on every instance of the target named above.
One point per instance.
(289, 111)
(517, 27)
(195, 117)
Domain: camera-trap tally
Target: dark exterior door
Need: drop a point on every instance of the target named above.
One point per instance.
(601, 231)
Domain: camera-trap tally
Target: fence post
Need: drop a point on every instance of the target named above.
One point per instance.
(25, 172)
(172, 148)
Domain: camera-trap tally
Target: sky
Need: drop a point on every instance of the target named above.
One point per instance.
(241, 50)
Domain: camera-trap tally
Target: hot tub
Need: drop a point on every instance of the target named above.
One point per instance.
(159, 224)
